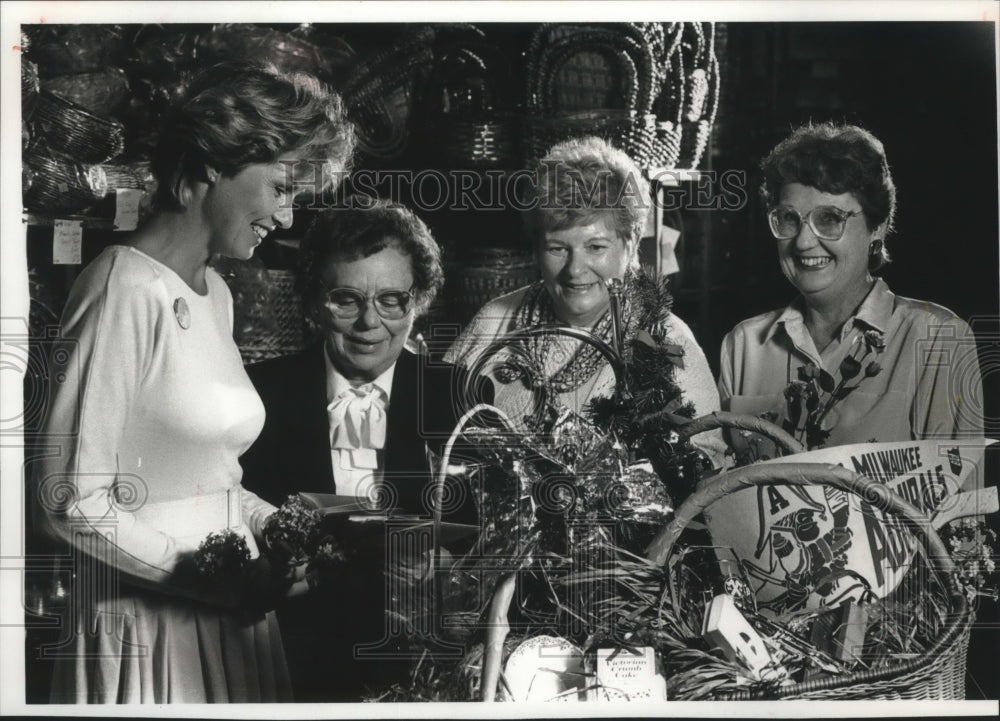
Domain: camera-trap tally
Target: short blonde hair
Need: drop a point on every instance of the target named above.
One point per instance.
(584, 178)
(237, 114)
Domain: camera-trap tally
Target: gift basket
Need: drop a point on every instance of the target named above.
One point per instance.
(936, 672)
(602, 571)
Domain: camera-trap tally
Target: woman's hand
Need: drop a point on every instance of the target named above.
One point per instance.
(267, 583)
(301, 582)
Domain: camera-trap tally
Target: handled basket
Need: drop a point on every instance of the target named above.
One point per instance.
(939, 673)
(66, 128)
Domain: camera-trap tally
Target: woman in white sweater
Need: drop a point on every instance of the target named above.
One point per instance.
(155, 407)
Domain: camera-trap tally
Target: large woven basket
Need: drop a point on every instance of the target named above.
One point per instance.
(62, 127)
(64, 48)
(937, 674)
(688, 100)
(54, 187)
(381, 92)
(624, 129)
(487, 274)
(102, 93)
(282, 331)
(569, 66)
(487, 142)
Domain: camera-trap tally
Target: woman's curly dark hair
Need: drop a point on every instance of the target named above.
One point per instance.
(237, 114)
(835, 158)
(362, 228)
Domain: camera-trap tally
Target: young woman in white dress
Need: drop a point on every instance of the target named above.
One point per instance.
(155, 407)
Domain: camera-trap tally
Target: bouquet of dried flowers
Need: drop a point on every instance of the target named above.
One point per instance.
(222, 558)
(294, 535)
(292, 532)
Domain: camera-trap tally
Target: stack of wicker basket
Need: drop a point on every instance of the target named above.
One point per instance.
(70, 88)
(648, 88)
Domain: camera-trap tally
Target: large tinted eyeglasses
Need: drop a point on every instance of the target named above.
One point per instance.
(826, 221)
(348, 304)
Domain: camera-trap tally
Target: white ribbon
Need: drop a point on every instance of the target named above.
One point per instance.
(357, 423)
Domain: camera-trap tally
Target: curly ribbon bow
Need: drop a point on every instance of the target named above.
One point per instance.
(357, 423)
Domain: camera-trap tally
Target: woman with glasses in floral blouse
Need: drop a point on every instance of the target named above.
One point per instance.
(899, 369)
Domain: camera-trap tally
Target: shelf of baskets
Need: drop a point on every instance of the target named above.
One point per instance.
(86, 222)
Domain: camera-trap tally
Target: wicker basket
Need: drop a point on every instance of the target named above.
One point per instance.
(61, 49)
(666, 145)
(68, 129)
(55, 187)
(381, 91)
(696, 129)
(631, 66)
(383, 123)
(690, 97)
(29, 79)
(937, 674)
(278, 331)
(289, 52)
(488, 142)
(487, 274)
(616, 64)
(624, 129)
(102, 93)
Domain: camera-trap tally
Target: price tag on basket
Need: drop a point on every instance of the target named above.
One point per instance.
(67, 242)
(810, 547)
(127, 208)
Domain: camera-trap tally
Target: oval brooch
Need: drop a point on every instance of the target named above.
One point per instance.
(182, 313)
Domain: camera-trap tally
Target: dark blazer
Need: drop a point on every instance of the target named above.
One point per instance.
(292, 454)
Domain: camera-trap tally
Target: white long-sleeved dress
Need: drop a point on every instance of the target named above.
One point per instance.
(150, 409)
